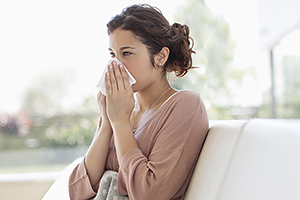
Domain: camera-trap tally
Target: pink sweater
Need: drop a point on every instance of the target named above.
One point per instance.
(169, 145)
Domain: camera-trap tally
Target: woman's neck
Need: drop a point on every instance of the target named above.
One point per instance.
(149, 100)
(153, 95)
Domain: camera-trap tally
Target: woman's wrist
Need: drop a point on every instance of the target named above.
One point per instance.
(106, 126)
(121, 125)
(124, 138)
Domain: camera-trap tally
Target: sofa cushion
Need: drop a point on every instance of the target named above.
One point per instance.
(258, 160)
(266, 162)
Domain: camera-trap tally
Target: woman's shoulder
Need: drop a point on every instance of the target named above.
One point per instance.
(185, 99)
(187, 105)
(187, 96)
(188, 92)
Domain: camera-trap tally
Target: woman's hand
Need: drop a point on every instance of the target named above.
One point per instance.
(119, 99)
(102, 105)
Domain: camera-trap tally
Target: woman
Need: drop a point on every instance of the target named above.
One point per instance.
(152, 141)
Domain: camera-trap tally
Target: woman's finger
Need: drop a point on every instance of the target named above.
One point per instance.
(99, 96)
(108, 83)
(125, 77)
(112, 80)
(118, 76)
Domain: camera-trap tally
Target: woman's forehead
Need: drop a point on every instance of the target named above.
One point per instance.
(123, 38)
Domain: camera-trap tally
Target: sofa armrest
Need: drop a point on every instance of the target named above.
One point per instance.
(215, 156)
(59, 190)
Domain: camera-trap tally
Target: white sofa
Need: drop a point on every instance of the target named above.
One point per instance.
(257, 159)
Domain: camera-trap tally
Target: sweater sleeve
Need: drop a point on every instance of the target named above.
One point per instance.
(79, 183)
(174, 153)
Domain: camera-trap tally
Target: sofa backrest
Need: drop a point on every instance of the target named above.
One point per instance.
(255, 159)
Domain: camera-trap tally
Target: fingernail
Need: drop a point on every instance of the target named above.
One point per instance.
(110, 66)
(107, 74)
(121, 66)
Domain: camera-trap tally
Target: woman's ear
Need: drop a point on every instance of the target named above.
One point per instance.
(161, 58)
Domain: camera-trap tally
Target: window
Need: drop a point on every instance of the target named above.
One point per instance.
(52, 55)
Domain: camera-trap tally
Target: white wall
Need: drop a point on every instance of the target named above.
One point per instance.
(277, 18)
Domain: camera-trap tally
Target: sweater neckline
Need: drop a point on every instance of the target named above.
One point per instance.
(157, 111)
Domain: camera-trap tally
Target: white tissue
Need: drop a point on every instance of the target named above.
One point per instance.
(101, 83)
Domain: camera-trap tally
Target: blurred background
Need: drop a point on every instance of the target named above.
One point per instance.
(52, 54)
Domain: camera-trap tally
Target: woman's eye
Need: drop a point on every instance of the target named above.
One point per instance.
(126, 53)
(112, 54)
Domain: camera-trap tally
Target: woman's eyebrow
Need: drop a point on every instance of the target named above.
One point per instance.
(126, 47)
(122, 48)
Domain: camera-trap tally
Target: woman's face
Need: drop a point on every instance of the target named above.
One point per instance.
(125, 46)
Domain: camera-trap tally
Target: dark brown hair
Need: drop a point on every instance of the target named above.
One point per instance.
(154, 30)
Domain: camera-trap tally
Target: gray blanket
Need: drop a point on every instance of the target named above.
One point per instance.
(108, 189)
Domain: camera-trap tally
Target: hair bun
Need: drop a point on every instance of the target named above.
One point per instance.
(180, 55)
(182, 29)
